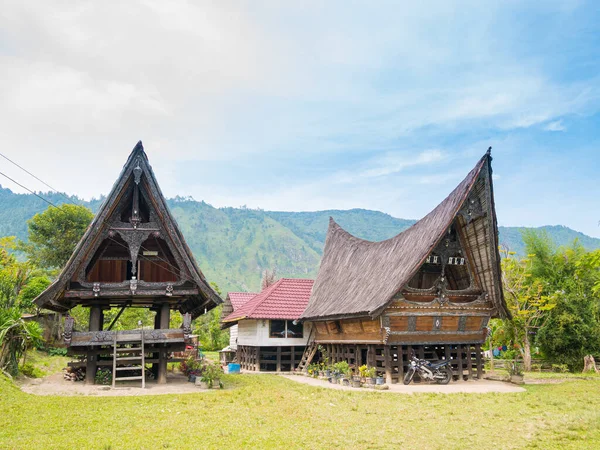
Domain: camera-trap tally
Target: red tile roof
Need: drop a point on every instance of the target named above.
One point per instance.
(286, 299)
(237, 299)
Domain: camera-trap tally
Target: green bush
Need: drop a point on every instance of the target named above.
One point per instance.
(560, 368)
(103, 376)
(57, 351)
(29, 370)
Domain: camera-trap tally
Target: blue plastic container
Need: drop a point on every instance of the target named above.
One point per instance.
(233, 368)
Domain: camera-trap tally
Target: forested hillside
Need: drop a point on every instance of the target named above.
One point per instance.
(234, 245)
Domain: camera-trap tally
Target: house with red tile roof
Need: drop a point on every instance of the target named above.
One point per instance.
(269, 335)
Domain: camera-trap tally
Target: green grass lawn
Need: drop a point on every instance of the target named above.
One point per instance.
(45, 363)
(266, 411)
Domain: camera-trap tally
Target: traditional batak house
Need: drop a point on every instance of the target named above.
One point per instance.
(133, 255)
(431, 289)
(269, 336)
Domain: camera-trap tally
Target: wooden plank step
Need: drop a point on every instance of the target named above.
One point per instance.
(131, 349)
(129, 358)
(129, 368)
(139, 377)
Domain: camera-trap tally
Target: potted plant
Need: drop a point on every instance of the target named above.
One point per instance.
(379, 381)
(356, 379)
(515, 371)
(313, 370)
(370, 375)
(343, 369)
(215, 370)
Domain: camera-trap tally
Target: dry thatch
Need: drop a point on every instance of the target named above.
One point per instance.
(359, 278)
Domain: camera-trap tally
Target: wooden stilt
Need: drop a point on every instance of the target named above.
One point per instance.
(92, 358)
(469, 363)
(460, 363)
(387, 364)
(479, 361)
(278, 364)
(162, 353)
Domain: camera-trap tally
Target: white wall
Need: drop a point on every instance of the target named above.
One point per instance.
(256, 333)
(233, 335)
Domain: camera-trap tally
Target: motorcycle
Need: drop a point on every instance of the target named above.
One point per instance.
(438, 372)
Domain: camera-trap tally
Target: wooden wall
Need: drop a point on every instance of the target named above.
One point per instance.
(349, 330)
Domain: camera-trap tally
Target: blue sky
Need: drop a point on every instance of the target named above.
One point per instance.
(312, 105)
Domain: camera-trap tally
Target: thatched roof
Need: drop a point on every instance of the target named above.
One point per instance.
(53, 297)
(359, 278)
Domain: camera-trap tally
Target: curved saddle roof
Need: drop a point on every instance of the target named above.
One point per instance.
(359, 278)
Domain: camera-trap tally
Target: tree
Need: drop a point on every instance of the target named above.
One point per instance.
(525, 300)
(19, 284)
(269, 277)
(568, 276)
(54, 234)
(208, 328)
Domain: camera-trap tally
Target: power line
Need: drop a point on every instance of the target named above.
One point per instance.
(104, 221)
(29, 190)
(39, 179)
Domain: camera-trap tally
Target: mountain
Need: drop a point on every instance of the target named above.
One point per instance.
(234, 245)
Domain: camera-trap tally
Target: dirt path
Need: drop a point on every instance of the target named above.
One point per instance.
(57, 385)
(468, 387)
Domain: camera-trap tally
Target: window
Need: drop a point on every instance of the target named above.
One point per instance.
(294, 331)
(285, 328)
(277, 329)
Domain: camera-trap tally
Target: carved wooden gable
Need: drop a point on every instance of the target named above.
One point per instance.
(132, 248)
(460, 269)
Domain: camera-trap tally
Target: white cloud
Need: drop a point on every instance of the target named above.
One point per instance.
(557, 125)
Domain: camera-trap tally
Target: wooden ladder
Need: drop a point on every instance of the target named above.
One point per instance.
(309, 353)
(133, 359)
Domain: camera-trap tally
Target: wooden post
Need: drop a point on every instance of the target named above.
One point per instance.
(479, 362)
(388, 364)
(165, 313)
(460, 363)
(257, 360)
(400, 363)
(292, 358)
(91, 359)
(469, 363)
(278, 368)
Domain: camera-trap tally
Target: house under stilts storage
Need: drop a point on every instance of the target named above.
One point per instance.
(269, 336)
(133, 255)
(430, 290)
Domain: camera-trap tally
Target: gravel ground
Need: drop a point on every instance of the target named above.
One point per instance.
(469, 387)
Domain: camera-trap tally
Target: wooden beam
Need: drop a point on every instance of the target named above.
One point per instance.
(112, 324)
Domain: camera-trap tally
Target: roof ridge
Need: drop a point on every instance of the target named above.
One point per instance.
(334, 226)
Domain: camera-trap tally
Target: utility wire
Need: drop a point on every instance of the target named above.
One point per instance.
(39, 179)
(29, 190)
(117, 242)
(65, 196)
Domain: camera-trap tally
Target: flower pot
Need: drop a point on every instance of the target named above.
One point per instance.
(344, 381)
(332, 380)
(371, 381)
(321, 373)
(328, 373)
(355, 382)
(192, 378)
(201, 384)
(216, 384)
(379, 381)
